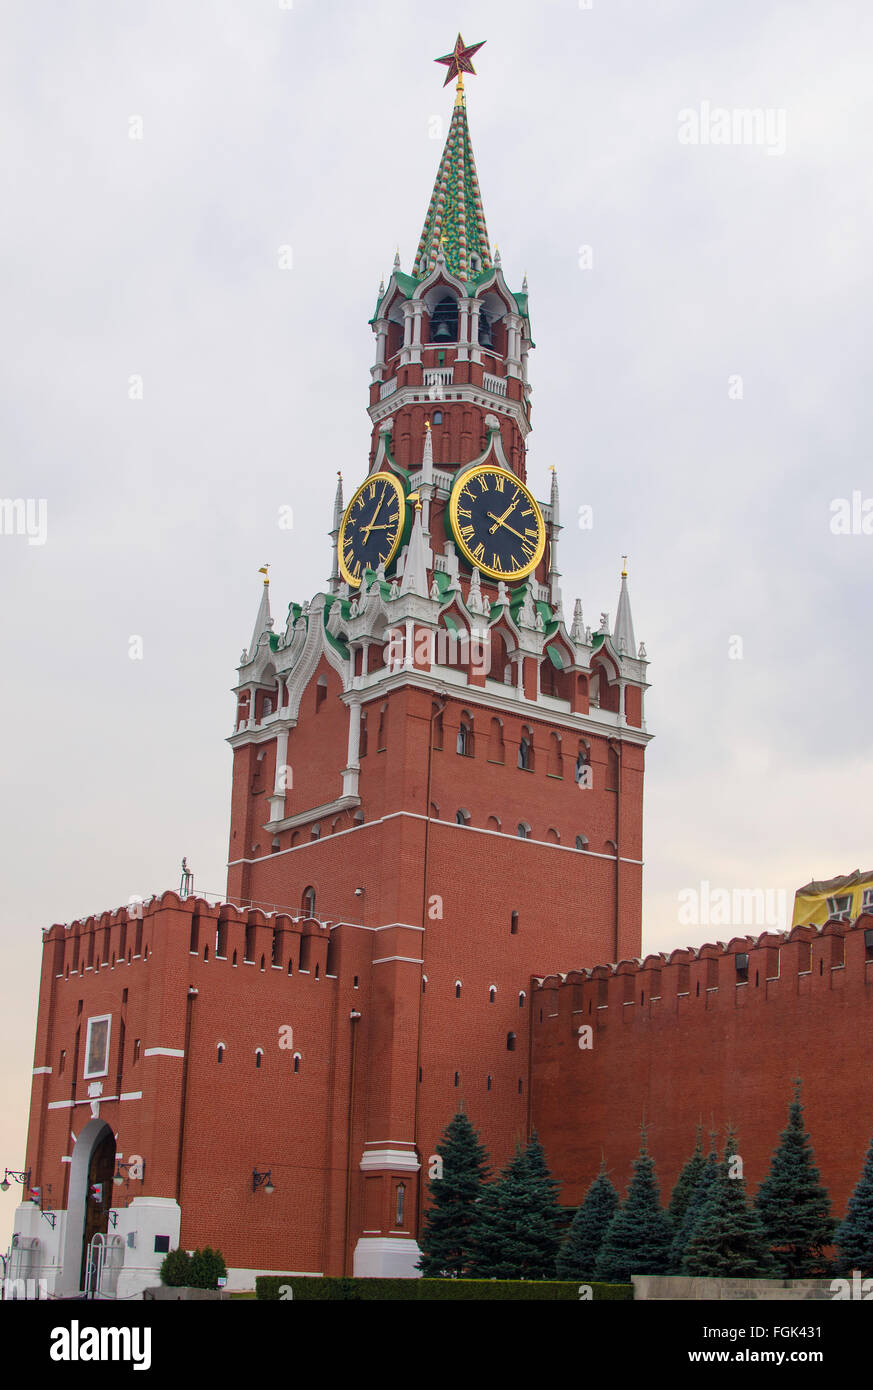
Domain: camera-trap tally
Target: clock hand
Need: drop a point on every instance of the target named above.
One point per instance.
(499, 520)
(506, 527)
(371, 527)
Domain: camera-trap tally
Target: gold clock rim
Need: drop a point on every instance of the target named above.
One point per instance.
(401, 496)
(516, 575)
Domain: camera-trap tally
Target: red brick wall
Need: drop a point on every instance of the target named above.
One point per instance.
(680, 1040)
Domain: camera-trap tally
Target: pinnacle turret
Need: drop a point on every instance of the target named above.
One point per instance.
(264, 621)
(623, 636)
(334, 535)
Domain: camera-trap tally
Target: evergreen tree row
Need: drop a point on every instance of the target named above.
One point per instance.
(513, 1227)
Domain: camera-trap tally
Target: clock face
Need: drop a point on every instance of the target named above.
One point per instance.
(371, 527)
(496, 522)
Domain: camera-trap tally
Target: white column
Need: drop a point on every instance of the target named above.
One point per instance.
(353, 766)
(281, 778)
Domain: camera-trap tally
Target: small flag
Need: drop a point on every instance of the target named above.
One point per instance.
(97, 1191)
(35, 1194)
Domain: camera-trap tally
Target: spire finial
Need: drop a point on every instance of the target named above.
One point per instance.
(265, 571)
(458, 62)
(624, 567)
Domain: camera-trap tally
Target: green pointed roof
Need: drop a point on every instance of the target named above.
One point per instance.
(455, 216)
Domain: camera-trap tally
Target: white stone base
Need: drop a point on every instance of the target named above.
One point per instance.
(386, 1257)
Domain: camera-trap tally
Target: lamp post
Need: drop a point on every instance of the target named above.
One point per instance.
(23, 1178)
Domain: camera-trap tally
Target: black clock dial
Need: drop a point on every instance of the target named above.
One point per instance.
(372, 527)
(497, 524)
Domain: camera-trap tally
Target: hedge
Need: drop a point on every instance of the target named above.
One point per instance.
(307, 1288)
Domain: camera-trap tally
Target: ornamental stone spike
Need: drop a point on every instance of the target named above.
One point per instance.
(416, 565)
(427, 457)
(624, 624)
(334, 535)
(577, 631)
(263, 618)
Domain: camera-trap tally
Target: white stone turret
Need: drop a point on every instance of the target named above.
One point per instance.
(623, 636)
(334, 535)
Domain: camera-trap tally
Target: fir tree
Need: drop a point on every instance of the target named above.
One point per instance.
(637, 1239)
(453, 1200)
(516, 1233)
(729, 1239)
(794, 1207)
(577, 1258)
(683, 1234)
(854, 1236)
(686, 1183)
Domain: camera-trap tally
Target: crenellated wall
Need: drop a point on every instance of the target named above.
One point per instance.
(714, 1034)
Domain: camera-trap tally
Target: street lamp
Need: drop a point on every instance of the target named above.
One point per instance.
(262, 1180)
(23, 1178)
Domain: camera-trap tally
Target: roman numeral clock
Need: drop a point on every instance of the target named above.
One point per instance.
(372, 527)
(496, 523)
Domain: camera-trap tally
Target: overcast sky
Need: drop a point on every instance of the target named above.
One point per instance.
(701, 380)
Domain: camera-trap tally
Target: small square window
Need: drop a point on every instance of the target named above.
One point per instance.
(162, 1245)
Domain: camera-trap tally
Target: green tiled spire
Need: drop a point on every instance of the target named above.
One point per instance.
(455, 217)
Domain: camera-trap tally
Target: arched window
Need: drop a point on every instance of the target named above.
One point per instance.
(465, 736)
(583, 765)
(383, 730)
(486, 332)
(259, 1052)
(320, 692)
(523, 830)
(308, 901)
(525, 749)
(611, 770)
(457, 1078)
(521, 998)
(358, 817)
(220, 1053)
(493, 822)
(401, 1202)
(234, 958)
(296, 1061)
(362, 739)
(424, 984)
(462, 816)
(457, 989)
(489, 1083)
(513, 924)
(444, 321)
(553, 836)
(268, 707)
(581, 841)
(315, 832)
(556, 762)
(492, 994)
(510, 1042)
(496, 752)
(437, 418)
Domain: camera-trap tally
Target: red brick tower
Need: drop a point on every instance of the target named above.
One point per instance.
(430, 766)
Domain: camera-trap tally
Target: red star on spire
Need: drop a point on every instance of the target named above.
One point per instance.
(458, 60)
